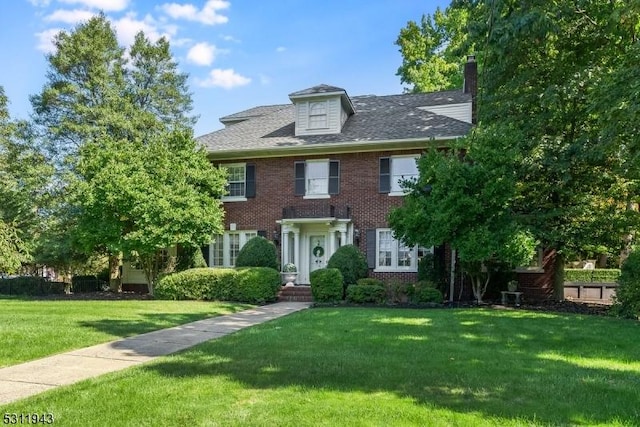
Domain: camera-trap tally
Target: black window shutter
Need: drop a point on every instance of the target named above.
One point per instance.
(385, 174)
(205, 253)
(262, 233)
(299, 187)
(371, 248)
(250, 180)
(334, 177)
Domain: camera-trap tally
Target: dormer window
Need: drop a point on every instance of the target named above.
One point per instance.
(321, 110)
(318, 115)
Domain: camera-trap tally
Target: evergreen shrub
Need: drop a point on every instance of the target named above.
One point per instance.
(351, 263)
(326, 285)
(258, 252)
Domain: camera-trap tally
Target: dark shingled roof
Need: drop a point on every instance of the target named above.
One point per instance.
(377, 119)
(319, 89)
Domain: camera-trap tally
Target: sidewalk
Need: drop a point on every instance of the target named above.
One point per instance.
(27, 379)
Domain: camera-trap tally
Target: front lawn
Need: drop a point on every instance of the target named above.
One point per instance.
(30, 329)
(387, 367)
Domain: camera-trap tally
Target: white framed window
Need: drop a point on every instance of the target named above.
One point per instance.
(236, 180)
(241, 178)
(225, 247)
(318, 115)
(403, 168)
(393, 255)
(317, 177)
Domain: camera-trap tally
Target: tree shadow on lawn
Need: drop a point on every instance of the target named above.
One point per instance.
(542, 368)
(153, 321)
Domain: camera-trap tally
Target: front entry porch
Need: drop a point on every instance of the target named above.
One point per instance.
(309, 242)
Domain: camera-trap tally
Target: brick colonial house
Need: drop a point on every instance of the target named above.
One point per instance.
(324, 171)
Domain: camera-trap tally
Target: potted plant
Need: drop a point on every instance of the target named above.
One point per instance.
(289, 274)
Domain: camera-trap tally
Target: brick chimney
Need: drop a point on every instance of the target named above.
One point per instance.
(471, 84)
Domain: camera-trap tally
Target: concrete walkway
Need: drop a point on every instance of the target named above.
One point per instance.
(27, 379)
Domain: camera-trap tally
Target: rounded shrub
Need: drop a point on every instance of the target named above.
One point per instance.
(627, 299)
(258, 252)
(428, 294)
(362, 294)
(351, 263)
(326, 285)
(256, 285)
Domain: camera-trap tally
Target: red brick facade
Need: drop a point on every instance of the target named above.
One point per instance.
(359, 191)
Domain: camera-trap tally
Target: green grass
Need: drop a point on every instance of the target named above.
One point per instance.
(377, 367)
(30, 329)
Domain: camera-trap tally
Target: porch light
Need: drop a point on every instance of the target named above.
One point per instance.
(356, 236)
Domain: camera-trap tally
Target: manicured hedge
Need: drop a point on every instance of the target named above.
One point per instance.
(253, 285)
(256, 285)
(30, 285)
(598, 275)
(326, 285)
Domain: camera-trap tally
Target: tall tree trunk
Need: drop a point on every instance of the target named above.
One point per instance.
(558, 276)
(115, 281)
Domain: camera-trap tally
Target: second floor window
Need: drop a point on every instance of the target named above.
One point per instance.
(396, 169)
(241, 181)
(317, 178)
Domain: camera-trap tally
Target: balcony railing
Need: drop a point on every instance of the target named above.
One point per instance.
(316, 210)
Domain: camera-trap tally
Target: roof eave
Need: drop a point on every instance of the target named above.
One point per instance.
(334, 148)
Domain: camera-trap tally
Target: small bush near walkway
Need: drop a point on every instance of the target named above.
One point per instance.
(256, 285)
(326, 285)
(253, 285)
(366, 293)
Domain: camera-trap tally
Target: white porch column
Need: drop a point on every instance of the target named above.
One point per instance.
(284, 244)
(331, 243)
(296, 246)
(343, 237)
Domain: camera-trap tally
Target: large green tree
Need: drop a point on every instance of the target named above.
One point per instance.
(434, 50)
(462, 202)
(23, 178)
(118, 123)
(558, 75)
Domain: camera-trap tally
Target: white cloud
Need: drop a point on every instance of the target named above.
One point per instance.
(40, 3)
(70, 16)
(128, 26)
(45, 40)
(227, 79)
(230, 39)
(208, 15)
(202, 54)
(280, 49)
(106, 5)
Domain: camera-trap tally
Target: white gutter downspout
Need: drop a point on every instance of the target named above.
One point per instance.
(453, 275)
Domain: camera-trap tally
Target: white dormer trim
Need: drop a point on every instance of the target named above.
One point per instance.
(320, 113)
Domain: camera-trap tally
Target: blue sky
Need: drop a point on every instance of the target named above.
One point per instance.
(238, 53)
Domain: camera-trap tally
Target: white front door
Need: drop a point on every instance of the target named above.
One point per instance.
(317, 252)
